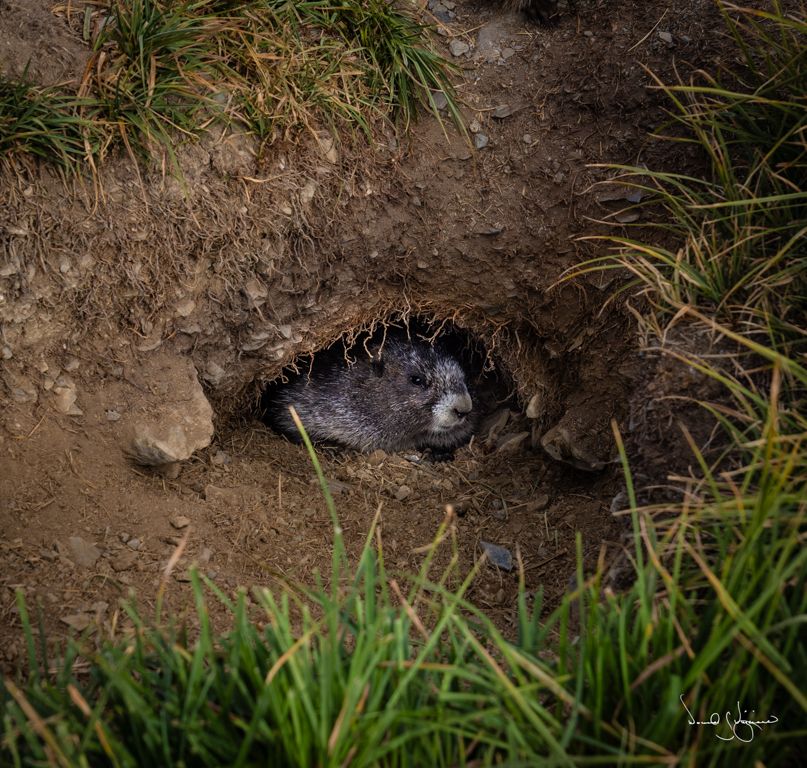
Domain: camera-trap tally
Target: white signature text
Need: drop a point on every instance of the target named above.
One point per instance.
(740, 727)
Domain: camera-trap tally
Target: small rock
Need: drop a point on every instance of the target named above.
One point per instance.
(23, 390)
(184, 308)
(527, 138)
(214, 373)
(6, 353)
(666, 37)
(205, 555)
(72, 364)
(64, 398)
(588, 33)
(180, 521)
(439, 100)
(534, 410)
(403, 492)
(255, 291)
(124, 537)
(170, 471)
(538, 503)
(65, 266)
(219, 458)
(499, 556)
(562, 446)
(458, 47)
(504, 110)
(77, 621)
(510, 443)
(124, 560)
(82, 552)
(376, 458)
(112, 414)
(507, 53)
(480, 140)
(474, 126)
(134, 544)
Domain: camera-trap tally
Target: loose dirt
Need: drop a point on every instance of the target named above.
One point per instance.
(256, 257)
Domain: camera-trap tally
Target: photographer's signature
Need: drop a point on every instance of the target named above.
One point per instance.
(739, 727)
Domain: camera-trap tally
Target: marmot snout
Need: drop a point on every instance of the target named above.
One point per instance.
(403, 395)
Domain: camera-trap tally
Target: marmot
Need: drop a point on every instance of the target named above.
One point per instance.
(542, 11)
(401, 395)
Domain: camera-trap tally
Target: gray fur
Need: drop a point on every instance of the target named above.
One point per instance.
(373, 402)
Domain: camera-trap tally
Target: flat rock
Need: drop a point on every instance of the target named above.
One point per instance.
(180, 521)
(458, 47)
(82, 552)
(498, 555)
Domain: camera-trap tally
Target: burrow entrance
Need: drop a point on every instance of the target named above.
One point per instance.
(504, 487)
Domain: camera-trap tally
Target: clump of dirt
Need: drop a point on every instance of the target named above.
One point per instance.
(248, 262)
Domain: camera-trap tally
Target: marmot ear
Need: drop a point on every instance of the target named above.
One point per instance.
(377, 364)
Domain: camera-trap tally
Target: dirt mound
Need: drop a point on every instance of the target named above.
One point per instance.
(249, 261)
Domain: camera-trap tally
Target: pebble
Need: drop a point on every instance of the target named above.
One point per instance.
(480, 140)
(527, 138)
(124, 560)
(666, 37)
(474, 126)
(134, 543)
(534, 409)
(180, 521)
(219, 458)
(376, 458)
(502, 111)
(403, 492)
(507, 53)
(112, 414)
(439, 99)
(458, 47)
(510, 443)
(499, 556)
(82, 552)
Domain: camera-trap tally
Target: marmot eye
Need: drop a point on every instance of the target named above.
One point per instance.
(418, 381)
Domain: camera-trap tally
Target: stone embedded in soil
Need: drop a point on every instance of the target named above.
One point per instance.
(403, 492)
(534, 407)
(124, 560)
(180, 521)
(537, 504)
(505, 110)
(82, 553)
(510, 443)
(22, 389)
(376, 458)
(78, 621)
(563, 445)
(440, 100)
(498, 555)
(458, 47)
(64, 397)
(481, 141)
(665, 37)
(179, 420)
(134, 544)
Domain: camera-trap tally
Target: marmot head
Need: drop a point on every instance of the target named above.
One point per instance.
(428, 381)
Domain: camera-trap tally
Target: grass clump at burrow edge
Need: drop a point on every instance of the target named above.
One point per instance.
(377, 671)
(741, 232)
(163, 70)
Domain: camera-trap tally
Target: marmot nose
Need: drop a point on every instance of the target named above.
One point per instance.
(463, 406)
